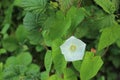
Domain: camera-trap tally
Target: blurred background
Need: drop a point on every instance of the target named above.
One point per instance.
(11, 17)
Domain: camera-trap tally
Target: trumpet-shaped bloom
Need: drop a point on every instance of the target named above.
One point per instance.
(73, 49)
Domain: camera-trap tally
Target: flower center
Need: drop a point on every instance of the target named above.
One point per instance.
(72, 47)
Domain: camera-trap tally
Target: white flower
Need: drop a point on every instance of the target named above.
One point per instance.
(73, 49)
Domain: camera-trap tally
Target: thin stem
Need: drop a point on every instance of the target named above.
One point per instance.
(105, 51)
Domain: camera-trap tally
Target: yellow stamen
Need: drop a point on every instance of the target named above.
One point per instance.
(73, 47)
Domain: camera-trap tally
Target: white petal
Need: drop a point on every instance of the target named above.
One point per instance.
(73, 55)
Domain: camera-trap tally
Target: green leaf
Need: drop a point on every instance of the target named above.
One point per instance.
(30, 21)
(115, 60)
(77, 65)
(90, 66)
(1, 71)
(1, 67)
(8, 15)
(24, 58)
(118, 42)
(109, 36)
(69, 74)
(56, 24)
(39, 48)
(81, 31)
(21, 33)
(10, 44)
(5, 28)
(35, 37)
(76, 15)
(18, 3)
(116, 3)
(104, 20)
(54, 77)
(48, 60)
(65, 4)
(107, 5)
(10, 61)
(58, 58)
(2, 51)
(35, 6)
(33, 68)
(44, 75)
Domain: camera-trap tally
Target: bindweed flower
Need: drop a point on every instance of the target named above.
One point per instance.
(73, 49)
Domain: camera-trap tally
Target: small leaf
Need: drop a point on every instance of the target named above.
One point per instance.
(39, 48)
(44, 75)
(8, 15)
(109, 36)
(33, 68)
(90, 66)
(10, 61)
(5, 28)
(10, 44)
(2, 51)
(1, 67)
(24, 58)
(21, 33)
(1, 71)
(48, 60)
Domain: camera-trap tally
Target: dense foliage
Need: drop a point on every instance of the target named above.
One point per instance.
(31, 32)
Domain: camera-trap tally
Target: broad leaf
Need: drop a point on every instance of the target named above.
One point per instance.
(109, 36)
(35, 37)
(90, 66)
(77, 65)
(116, 3)
(30, 21)
(69, 74)
(118, 42)
(76, 15)
(107, 5)
(58, 58)
(56, 24)
(65, 4)
(36, 6)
